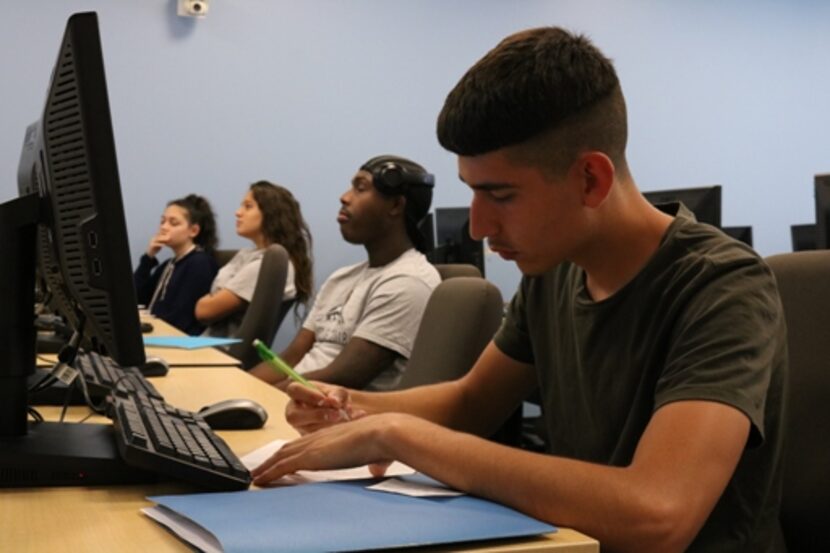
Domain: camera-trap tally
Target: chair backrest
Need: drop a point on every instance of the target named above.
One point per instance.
(804, 285)
(223, 256)
(460, 318)
(452, 270)
(266, 310)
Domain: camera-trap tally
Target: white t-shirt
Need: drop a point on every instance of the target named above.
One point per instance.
(239, 276)
(383, 305)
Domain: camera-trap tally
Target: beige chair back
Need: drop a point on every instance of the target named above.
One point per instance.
(266, 310)
(452, 270)
(460, 318)
(804, 284)
(223, 256)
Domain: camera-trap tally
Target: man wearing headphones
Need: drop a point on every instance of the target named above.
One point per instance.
(360, 330)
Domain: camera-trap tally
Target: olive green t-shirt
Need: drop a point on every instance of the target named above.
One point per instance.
(701, 321)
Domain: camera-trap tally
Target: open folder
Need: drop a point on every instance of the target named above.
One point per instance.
(345, 516)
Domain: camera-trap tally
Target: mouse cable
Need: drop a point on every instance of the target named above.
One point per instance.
(62, 369)
(35, 414)
(100, 409)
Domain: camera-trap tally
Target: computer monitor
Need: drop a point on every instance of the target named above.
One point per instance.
(427, 230)
(704, 201)
(744, 234)
(453, 243)
(822, 201)
(69, 210)
(803, 237)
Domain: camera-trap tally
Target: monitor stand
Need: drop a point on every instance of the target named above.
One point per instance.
(65, 454)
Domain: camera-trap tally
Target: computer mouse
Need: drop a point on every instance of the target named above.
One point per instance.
(234, 414)
(154, 366)
(146, 327)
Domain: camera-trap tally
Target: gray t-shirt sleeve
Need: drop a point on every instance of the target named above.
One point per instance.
(243, 282)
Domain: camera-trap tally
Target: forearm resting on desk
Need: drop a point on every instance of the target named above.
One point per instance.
(355, 366)
(478, 403)
(212, 307)
(293, 354)
(360, 362)
(682, 464)
(658, 503)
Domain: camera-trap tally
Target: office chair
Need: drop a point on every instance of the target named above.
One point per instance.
(804, 285)
(223, 256)
(452, 270)
(461, 316)
(266, 310)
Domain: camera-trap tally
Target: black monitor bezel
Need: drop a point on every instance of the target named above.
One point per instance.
(453, 243)
(803, 237)
(703, 201)
(742, 234)
(821, 185)
(30, 453)
(69, 159)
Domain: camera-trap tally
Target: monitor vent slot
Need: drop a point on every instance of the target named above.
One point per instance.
(64, 136)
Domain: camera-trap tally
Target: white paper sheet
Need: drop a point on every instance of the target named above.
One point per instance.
(258, 456)
(413, 489)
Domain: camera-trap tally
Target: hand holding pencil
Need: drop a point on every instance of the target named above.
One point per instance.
(311, 394)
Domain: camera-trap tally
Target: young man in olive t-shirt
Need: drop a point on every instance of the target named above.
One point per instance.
(656, 343)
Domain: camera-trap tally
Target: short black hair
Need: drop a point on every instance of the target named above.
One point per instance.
(531, 85)
(411, 181)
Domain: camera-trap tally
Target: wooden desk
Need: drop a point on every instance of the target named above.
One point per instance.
(107, 519)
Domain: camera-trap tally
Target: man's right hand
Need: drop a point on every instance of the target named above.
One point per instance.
(310, 410)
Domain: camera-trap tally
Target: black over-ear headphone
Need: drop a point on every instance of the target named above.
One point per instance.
(391, 175)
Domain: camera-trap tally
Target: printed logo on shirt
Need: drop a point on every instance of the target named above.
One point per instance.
(333, 327)
(335, 315)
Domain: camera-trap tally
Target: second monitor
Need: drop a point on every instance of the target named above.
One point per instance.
(822, 203)
(704, 201)
(448, 233)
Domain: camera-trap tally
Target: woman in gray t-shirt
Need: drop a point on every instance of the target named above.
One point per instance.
(269, 214)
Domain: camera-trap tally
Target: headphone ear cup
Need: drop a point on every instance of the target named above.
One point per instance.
(391, 177)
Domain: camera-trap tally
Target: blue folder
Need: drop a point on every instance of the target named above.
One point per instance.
(345, 516)
(188, 342)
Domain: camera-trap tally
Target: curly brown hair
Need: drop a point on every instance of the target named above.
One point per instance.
(199, 212)
(283, 224)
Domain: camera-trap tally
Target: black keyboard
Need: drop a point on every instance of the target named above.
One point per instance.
(100, 374)
(155, 436)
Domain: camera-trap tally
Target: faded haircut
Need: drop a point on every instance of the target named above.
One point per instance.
(544, 93)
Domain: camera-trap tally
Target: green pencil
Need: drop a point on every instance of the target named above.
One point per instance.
(279, 365)
(282, 367)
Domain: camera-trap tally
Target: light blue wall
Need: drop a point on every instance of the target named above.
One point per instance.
(301, 92)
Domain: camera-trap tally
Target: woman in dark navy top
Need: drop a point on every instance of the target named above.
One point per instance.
(170, 289)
